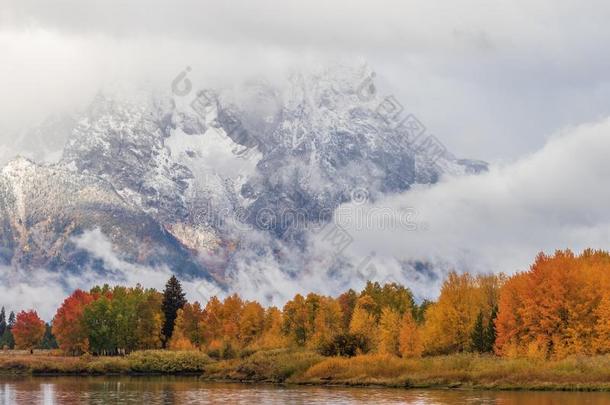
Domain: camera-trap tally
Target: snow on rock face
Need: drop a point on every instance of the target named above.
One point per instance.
(43, 208)
(198, 180)
(122, 141)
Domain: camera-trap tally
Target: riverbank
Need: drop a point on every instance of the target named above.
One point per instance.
(142, 362)
(467, 371)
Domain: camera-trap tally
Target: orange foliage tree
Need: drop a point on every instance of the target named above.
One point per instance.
(68, 326)
(557, 308)
(410, 342)
(28, 330)
(450, 321)
(188, 331)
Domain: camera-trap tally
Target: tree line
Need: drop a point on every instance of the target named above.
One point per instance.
(558, 307)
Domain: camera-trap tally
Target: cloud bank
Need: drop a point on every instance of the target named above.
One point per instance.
(553, 199)
(490, 80)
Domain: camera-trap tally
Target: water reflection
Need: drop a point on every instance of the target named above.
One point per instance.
(191, 390)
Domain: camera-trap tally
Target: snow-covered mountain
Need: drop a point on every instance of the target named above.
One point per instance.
(190, 181)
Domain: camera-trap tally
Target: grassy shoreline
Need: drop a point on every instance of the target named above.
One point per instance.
(302, 367)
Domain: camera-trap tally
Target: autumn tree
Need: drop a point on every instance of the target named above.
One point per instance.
(556, 308)
(188, 331)
(347, 302)
(272, 336)
(296, 320)
(389, 331)
(328, 322)
(173, 300)
(232, 307)
(212, 326)
(251, 323)
(28, 330)
(391, 295)
(363, 321)
(149, 321)
(410, 342)
(602, 327)
(451, 320)
(68, 326)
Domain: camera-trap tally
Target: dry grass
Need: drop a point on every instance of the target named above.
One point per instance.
(278, 365)
(152, 361)
(466, 370)
(306, 367)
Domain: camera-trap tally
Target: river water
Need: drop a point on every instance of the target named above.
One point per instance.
(191, 390)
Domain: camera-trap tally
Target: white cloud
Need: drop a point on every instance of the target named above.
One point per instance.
(553, 199)
(491, 81)
(45, 290)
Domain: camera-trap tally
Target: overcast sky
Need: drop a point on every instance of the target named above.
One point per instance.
(493, 80)
(522, 84)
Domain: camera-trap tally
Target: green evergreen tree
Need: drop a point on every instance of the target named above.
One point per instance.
(173, 300)
(2, 321)
(478, 335)
(419, 311)
(48, 340)
(7, 340)
(490, 331)
(11, 320)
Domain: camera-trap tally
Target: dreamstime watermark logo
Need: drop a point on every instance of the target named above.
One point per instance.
(368, 269)
(206, 100)
(355, 216)
(407, 129)
(207, 290)
(359, 195)
(330, 225)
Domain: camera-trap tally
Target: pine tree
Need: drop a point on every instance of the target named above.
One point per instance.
(48, 340)
(7, 340)
(490, 331)
(173, 300)
(11, 320)
(478, 335)
(2, 321)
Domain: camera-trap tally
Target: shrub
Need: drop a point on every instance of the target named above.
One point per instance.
(160, 361)
(276, 365)
(345, 344)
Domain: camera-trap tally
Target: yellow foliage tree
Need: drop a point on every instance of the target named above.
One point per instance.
(411, 344)
(327, 323)
(602, 327)
(251, 323)
(363, 321)
(389, 331)
(187, 328)
(450, 321)
(272, 336)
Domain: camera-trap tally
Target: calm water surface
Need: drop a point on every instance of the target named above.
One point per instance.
(190, 390)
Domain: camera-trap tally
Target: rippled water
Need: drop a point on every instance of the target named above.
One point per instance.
(190, 390)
